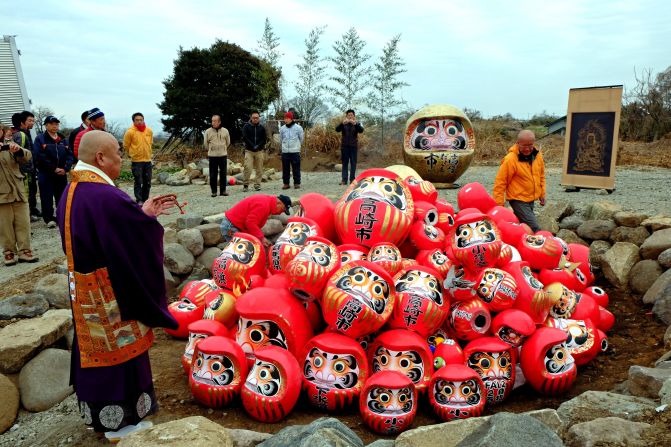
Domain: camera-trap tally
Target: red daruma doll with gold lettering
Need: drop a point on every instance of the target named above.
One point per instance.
(334, 371)
(272, 386)
(311, 268)
(457, 392)
(358, 299)
(474, 242)
(388, 402)
(217, 371)
(495, 361)
(242, 257)
(291, 241)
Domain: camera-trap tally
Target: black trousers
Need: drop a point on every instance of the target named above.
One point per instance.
(525, 213)
(142, 178)
(218, 169)
(51, 190)
(31, 178)
(291, 162)
(348, 157)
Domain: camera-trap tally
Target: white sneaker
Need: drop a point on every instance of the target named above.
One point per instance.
(116, 436)
(51, 224)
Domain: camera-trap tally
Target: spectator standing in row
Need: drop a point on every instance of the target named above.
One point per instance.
(349, 146)
(24, 122)
(82, 127)
(291, 139)
(14, 212)
(137, 142)
(254, 137)
(96, 119)
(216, 140)
(53, 161)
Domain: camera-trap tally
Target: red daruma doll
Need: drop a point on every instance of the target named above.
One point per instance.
(241, 258)
(198, 331)
(217, 372)
(403, 351)
(388, 403)
(358, 299)
(495, 361)
(457, 392)
(272, 386)
(311, 268)
(546, 362)
(474, 242)
(291, 241)
(334, 371)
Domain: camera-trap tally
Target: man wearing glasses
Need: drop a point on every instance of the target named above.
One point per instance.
(521, 179)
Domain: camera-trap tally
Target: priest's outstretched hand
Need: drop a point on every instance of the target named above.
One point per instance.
(159, 205)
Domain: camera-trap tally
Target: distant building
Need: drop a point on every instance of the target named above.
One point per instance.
(557, 127)
(14, 97)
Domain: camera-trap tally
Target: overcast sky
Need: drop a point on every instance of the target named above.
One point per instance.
(493, 56)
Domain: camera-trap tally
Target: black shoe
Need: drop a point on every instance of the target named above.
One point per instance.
(35, 212)
(214, 194)
(223, 193)
(245, 188)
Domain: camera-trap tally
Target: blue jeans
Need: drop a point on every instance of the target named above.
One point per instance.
(228, 229)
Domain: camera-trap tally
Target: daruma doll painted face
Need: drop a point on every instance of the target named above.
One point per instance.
(290, 242)
(200, 330)
(475, 241)
(272, 386)
(387, 255)
(547, 363)
(241, 258)
(457, 392)
(388, 402)
(403, 351)
(495, 361)
(310, 269)
(217, 371)
(334, 371)
(185, 312)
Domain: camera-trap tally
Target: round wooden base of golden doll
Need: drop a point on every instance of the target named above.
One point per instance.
(439, 185)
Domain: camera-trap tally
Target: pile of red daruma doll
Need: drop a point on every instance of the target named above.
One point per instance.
(387, 297)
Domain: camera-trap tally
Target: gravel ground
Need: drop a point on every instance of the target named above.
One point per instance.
(644, 189)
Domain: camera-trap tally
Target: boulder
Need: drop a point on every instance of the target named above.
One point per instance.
(163, 177)
(663, 359)
(194, 431)
(647, 382)
(272, 227)
(188, 220)
(513, 429)
(206, 173)
(170, 281)
(603, 210)
(570, 237)
(178, 259)
(654, 245)
(547, 223)
(9, 404)
(56, 289)
(211, 233)
(284, 218)
(629, 218)
(214, 218)
(246, 438)
(45, 380)
(596, 251)
(198, 273)
(662, 307)
(556, 210)
(643, 275)
(660, 288)
(382, 443)
(664, 395)
(203, 163)
(636, 235)
(596, 229)
(591, 405)
(62, 268)
(337, 167)
(169, 236)
(180, 178)
(21, 340)
(606, 432)
(655, 223)
(23, 306)
(549, 417)
(667, 338)
(192, 240)
(571, 222)
(321, 432)
(617, 262)
(664, 258)
(207, 257)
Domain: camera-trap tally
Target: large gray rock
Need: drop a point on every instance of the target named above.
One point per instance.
(214, 218)
(45, 380)
(664, 258)
(549, 417)
(56, 289)
(178, 259)
(9, 404)
(663, 359)
(211, 233)
(504, 429)
(207, 257)
(169, 236)
(547, 223)
(636, 235)
(596, 251)
(23, 306)
(246, 438)
(180, 178)
(170, 281)
(571, 222)
(163, 177)
(193, 431)
(556, 210)
(629, 218)
(664, 394)
(596, 229)
(656, 244)
(617, 262)
(447, 434)
(603, 210)
(643, 275)
(598, 404)
(189, 220)
(21, 340)
(272, 227)
(284, 218)
(321, 432)
(660, 288)
(570, 237)
(646, 382)
(192, 240)
(382, 443)
(667, 337)
(609, 431)
(662, 307)
(655, 223)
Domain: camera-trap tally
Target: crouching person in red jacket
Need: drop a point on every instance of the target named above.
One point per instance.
(250, 214)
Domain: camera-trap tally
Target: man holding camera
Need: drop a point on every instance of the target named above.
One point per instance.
(23, 122)
(349, 147)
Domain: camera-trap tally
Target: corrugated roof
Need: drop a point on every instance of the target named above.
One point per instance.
(13, 97)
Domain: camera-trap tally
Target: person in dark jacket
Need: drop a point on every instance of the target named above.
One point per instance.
(254, 136)
(83, 126)
(23, 122)
(349, 146)
(53, 160)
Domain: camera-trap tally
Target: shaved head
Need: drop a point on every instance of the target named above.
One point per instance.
(101, 149)
(525, 142)
(526, 135)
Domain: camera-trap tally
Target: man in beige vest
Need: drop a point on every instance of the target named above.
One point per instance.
(217, 140)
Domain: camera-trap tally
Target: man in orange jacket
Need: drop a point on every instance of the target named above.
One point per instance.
(521, 179)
